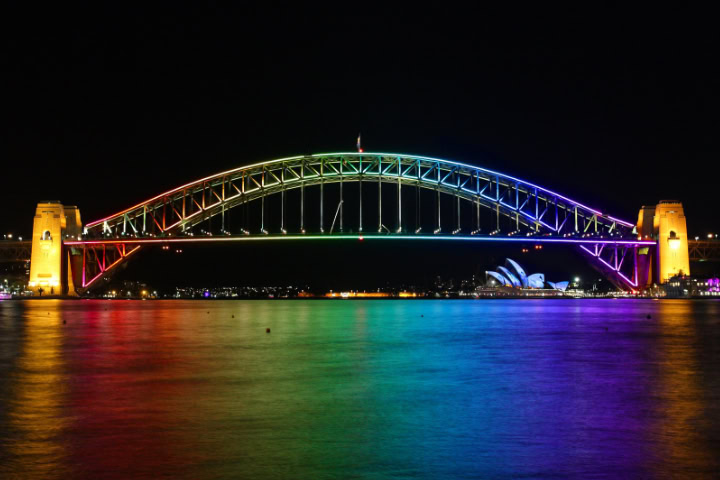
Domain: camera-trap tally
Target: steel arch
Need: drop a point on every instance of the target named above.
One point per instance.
(108, 242)
(195, 202)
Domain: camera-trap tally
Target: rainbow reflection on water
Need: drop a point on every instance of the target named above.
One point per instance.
(381, 389)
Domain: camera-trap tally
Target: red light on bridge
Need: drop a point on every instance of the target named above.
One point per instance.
(360, 238)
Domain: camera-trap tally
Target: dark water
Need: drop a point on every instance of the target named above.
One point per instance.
(360, 389)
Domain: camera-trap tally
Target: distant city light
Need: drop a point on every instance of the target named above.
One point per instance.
(710, 235)
(577, 279)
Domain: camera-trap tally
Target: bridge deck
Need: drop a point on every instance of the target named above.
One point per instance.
(359, 236)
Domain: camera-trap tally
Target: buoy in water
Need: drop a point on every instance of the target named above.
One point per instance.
(648, 316)
(267, 330)
(64, 322)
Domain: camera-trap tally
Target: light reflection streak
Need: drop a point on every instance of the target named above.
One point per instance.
(37, 416)
(680, 416)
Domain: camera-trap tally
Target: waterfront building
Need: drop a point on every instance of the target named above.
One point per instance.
(684, 286)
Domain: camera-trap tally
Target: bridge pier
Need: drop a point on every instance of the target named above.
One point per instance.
(51, 265)
(665, 223)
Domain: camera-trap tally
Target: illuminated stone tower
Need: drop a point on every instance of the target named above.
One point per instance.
(50, 269)
(671, 230)
(666, 224)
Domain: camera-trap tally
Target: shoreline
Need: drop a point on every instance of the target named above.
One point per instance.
(362, 299)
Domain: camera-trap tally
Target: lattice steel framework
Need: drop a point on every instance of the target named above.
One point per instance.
(528, 209)
(527, 204)
(15, 251)
(704, 250)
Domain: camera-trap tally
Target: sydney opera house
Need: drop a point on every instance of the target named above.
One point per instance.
(512, 275)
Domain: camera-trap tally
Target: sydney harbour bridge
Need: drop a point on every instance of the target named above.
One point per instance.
(350, 196)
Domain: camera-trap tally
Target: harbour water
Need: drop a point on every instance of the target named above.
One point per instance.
(372, 389)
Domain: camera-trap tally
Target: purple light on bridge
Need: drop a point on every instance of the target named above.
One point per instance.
(243, 238)
(612, 268)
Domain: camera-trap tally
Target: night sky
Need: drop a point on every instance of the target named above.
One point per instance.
(105, 108)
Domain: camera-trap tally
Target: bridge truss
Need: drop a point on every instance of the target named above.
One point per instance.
(704, 250)
(354, 195)
(14, 251)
